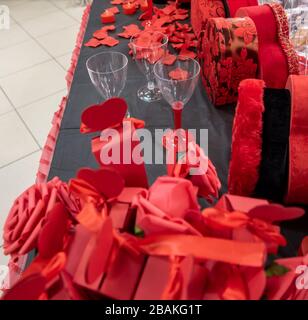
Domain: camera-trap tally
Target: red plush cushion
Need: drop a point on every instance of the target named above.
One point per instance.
(246, 149)
(273, 62)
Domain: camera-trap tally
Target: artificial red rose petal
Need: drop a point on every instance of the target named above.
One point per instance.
(178, 74)
(100, 34)
(129, 31)
(109, 41)
(175, 39)
(93, 43)
(109, 28)
(169, 9)
(177, 45)
(169, 59)
(186, 54)
(114, 10)
(179, 17)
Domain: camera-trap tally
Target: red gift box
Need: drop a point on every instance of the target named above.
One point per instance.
(107, 267)
(156, 278)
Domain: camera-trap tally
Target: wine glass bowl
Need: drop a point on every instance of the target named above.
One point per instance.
(108, 72)
(177, 83)
(147, 48)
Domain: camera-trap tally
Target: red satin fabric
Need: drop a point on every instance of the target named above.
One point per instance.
(234, 5)
(272, 60)
(298, 142)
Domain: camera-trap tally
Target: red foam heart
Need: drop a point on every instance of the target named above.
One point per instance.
(101, 116)
(51, 237)
(93, 43)
(97, 264)
(275, 212)
(100, 34)
(114, 10)
(129, 31)
(108, 182)
(109, 41)
(108, 28)
(169, 59)
(178, 74)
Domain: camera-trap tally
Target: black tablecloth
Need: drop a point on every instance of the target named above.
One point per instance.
(73, 149)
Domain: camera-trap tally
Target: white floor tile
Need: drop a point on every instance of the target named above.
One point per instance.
(65, 60)
(35, 83)
(13, 36)
(21, 56)
(14, 179)
(38, 115)
(60, 42)
(62, 3)
(75, 11)
(5, 105)
(13, 3)
(48, 23)
(15, 140)
(31, 10)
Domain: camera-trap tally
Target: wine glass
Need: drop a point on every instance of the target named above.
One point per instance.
(108, 72)
(148, 47)
(177, 83)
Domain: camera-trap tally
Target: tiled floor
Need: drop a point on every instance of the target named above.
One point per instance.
(34, 56)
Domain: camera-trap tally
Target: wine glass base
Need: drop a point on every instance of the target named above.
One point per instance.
(147, 95)
(177, 140)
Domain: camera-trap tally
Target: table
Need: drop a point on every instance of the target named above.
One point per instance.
(73, 149)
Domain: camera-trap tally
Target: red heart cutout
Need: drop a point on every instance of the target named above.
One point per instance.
(29, 288)
(275, 212)
(97, 264)
(108, 182)
(101, 116)
(51, 237)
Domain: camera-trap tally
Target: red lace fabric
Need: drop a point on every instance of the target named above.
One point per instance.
(246, 148)
(298, 142)
(283, 36)
(228, 53)
(202, 10)
(234, 5)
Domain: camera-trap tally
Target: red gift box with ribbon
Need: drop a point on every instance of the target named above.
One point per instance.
(108, 265)
(118, 135)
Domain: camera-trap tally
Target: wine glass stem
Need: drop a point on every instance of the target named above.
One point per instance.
(177, 108)
(151, 85)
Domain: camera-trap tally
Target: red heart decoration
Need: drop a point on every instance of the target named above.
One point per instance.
(109, 41)
(97, 264)
(178, 74)
(93, 43)
(51, 237)
(101, 116)
(275, 212)
(108, 182)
